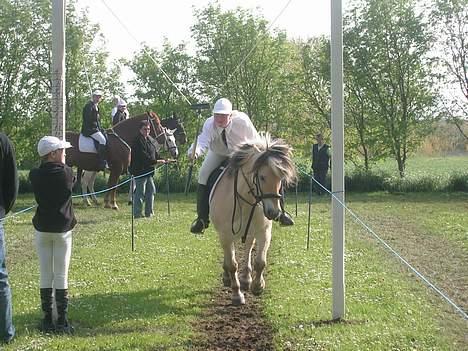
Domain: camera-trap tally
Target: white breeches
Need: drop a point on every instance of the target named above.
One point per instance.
(210, 163)
(99, 137)
(54, 251)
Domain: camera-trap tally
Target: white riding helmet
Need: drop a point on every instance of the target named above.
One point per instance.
(223, 106)
(97, 92)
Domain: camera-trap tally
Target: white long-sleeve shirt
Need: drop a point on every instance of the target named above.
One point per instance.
(240, 130)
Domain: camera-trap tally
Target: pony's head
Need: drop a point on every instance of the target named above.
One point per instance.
(265, 164)
(163, 136)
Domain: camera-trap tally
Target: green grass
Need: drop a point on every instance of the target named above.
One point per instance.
(434, 165)
(150, 299)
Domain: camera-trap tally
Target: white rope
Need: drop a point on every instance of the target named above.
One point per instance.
(414, 270)
(146, 52)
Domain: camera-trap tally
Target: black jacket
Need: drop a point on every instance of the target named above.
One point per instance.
(144, 156)
(8, 176)
(320, 158)
(52, 185)
(119, 117)
(91, 119)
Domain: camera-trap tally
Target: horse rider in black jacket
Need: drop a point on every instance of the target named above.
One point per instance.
(91, 126)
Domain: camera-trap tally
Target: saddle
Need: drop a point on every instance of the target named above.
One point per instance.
(215, 176)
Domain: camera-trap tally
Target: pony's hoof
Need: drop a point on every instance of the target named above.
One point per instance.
(238, 300)
(245, 285)
(96, 202)
(115, 207)
(257, 289)
(107, 206)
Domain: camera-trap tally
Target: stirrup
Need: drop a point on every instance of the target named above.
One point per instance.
(285, 219)
(198, 226)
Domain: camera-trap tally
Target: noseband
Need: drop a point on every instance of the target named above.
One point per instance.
(258, 195)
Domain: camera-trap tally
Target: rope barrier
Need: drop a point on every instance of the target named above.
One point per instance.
(77, 196)
(393, 251)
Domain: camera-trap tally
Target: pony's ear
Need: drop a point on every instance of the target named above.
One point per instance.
(172, 131)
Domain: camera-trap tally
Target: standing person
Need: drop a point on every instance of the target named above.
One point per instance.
(121, 114)
(54, 220)
(91, 126)
(221, 134)
(144, 157)
(8, 193)
(320, 162)
(115, 102)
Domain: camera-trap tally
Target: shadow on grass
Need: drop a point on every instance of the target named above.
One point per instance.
(122, 313)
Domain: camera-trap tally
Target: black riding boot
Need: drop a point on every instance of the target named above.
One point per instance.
(47, 324)
(203, 210)
(284, 218)
(101, 150)
(61, 298)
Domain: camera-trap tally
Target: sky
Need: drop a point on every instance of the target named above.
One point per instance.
(149, 21)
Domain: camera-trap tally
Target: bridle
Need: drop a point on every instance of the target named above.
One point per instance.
(256, 191)
(163, 133)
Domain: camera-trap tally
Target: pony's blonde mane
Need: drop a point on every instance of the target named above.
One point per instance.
(266, 151)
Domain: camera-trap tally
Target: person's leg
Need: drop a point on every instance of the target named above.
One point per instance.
(149, 196)
(7, 330)
(138, 196)
(210, 163)
(62, 255)
(44, 247)
(321, 176)
(101, 149)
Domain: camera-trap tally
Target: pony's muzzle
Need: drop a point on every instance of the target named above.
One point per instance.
(271, 211)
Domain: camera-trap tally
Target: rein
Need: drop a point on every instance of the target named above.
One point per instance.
(258, 195)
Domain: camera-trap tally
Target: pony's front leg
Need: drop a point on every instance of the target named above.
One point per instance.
(84, 190)
(245, 276)
(258, 284)
(91, 188)
(230, 269)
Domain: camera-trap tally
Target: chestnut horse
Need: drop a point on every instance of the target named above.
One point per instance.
(173, 126)
(120, 137)
(244, 202)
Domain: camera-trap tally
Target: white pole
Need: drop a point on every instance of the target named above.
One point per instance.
(58, 68)
(337, 123)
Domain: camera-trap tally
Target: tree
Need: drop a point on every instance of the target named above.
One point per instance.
(449, 19)
(237, 57)
(393, 66)
(25, 78)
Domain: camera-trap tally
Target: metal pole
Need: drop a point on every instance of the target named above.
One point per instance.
(337, 123)
(58, 69)
(167, 188)
(133, 221)
(296, 199)
(310, 210)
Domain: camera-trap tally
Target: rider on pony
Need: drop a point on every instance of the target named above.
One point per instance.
(221, 134)
(91, 126)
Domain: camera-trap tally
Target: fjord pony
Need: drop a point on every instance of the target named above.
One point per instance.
(120, 137)
(243, 204)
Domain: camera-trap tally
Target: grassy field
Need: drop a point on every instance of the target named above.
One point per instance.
(151, 299)
(436, 165)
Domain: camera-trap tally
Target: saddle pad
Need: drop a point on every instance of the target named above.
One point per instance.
(86, 144)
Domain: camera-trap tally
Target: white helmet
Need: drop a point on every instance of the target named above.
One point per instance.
(97, 92)
(223, 106)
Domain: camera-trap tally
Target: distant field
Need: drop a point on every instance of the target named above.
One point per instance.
(437, 165)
